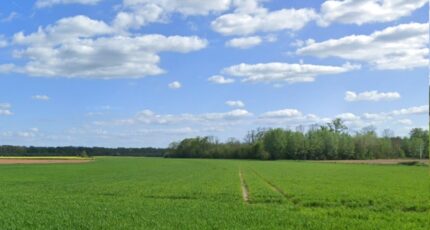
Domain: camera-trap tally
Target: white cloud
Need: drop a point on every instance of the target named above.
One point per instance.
(406, 122)
(30, 133)
(100, 110)
(348, 117)
(64, 30)
(250, 41)
(175, 85)
(424, 109)
(49, 3)
(232, 123)
(400, 47)
(174, 131)
(376, 116)
(137, 13)
(231, 115)
(238, 104)
(244, 42)
(284, 113)
(13, 15)
(218, 79)
(284, 72)
(150, 118)
(371, 96)
(415, 110)
(5, 109)
(41, 97)
(82, 47)
(259, 19)
(3, 41)
(288, 118)
(6, 68)
(366, 11)
(271, 38)
(384, 117)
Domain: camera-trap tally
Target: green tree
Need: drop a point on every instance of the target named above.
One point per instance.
(275, 143)
(337, 126)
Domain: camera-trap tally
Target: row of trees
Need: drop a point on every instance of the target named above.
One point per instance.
(331, 141)
(7, 150)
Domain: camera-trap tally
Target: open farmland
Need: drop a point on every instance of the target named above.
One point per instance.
(148, 193)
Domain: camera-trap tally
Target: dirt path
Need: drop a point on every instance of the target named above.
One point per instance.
(39, 161)
(244, 186)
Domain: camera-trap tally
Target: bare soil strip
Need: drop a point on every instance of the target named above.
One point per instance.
(245, 193)
(32, 161)
(378, 161)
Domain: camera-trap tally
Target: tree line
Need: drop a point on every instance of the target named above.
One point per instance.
(332, 141)
(7, 150)
(321, 142)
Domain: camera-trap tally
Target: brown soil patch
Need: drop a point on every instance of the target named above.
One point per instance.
(379, 161)
(33, 161)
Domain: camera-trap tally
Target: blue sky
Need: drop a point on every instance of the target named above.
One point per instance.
(146, 73)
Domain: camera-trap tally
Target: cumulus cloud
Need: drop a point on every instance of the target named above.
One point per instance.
(248, 17)
(288, 118)
(5, 109)
(376, 116)
(371, 96)
(137, 13)
(254, 20)
(218, 79)
(284, 113)
(41, 97)
(49, 3)
(387, 119)
(238, 104)
(284, 72)
(424, 109)
(415, 110)
(64, 30)
(348, 117)
(244, 42)
(149, 123)
(406, 122)
(403, 46)
(149, 117)
(175, 85)
(82, 47)
(366, 11)
(250, 41)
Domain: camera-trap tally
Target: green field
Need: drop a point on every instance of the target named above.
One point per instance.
(156, 193)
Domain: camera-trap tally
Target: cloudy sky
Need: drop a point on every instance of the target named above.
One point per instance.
(148, 72)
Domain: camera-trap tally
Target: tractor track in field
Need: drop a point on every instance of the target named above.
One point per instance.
(244, 186)
(273, 186)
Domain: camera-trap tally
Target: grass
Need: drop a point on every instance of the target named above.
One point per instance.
(156, 193)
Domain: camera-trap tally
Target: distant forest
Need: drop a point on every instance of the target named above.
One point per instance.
(332, 141)
(7, 150)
